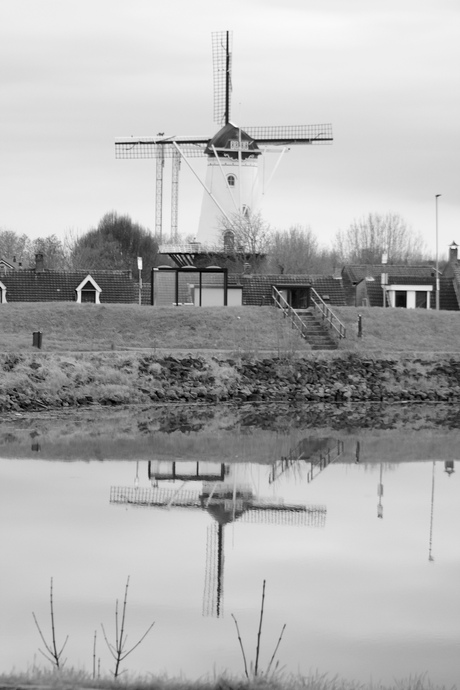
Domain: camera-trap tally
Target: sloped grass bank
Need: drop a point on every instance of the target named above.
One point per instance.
(90, 327)
(52, 381)
(241, 330)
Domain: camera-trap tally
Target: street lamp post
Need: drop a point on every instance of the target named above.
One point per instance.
(437, 265)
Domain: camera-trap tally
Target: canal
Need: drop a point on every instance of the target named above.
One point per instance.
(354, 531)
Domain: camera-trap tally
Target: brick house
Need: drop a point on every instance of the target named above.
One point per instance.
(393, 285)
(41, 285)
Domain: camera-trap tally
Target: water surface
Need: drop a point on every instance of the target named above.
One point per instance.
(361, 559)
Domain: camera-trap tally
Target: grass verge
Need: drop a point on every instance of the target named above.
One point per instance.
(81, 680)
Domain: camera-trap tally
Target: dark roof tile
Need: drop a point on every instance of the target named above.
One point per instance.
(50, 286)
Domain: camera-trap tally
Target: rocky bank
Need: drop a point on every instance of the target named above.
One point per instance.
(52, 381)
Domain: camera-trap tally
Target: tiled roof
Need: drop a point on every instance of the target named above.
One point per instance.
(51, 286)
(374, 293)
(447, 297)
(410, 280)
(10, 264)
(357, 272)
(257, 289)
(332, 286)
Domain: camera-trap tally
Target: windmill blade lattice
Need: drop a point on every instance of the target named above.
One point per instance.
(150, 147)
(291, 134)
(222, 74)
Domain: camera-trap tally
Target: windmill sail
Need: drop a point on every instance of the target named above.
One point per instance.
(222, 73)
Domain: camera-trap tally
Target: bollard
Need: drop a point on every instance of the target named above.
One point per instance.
(360, 326)
(37, 339)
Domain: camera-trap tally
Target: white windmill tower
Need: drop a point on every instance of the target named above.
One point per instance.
(232, 186)
(232, 182)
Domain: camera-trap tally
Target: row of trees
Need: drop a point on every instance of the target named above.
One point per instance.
(117, 241)
(297, 249)
(114, 244)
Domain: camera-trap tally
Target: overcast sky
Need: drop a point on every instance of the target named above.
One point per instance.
(76, 74)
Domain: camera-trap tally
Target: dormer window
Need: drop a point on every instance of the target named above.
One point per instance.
(88, 291)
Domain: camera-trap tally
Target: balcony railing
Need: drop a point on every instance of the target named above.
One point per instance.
(283, 304)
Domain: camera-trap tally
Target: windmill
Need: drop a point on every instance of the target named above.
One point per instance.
(232, 184)
(226, 501)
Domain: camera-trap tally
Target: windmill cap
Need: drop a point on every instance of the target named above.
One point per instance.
(229, 138)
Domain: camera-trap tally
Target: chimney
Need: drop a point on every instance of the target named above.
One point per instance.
(39, 263)
(453, 253)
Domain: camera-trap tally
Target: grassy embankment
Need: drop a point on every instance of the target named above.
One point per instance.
(241, 330)
(109, 354)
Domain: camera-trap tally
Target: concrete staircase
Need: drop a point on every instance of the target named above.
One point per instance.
(316, 333)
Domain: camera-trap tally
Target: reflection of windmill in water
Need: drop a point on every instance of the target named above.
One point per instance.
(226, 500)
(232, 185)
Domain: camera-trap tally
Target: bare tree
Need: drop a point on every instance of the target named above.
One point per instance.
(366, 240)
(254, 667)
(247, 233)
(296, 250)
(55, 256)
(52, 654)
(14, 247)
(118, 650)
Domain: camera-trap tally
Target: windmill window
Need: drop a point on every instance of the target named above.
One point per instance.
(236, 145)
(245, 211)
(231, 180)
(229, 241)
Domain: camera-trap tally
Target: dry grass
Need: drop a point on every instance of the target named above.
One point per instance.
(401, 330)
(88, 327)
(80, 680)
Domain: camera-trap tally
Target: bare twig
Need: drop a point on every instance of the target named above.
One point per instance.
(255, 667)
(119, 651)
(52, 654)
(94, 654)
(259, 632)
(242, 648)
(276, 649)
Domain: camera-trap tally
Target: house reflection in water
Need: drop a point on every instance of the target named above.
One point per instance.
(225, 498)
(312, 453)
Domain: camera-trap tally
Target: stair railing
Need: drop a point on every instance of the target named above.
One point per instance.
(282, 303)
(327, 314)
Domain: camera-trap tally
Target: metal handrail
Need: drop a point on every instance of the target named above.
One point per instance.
(327, 314)
(283, 304)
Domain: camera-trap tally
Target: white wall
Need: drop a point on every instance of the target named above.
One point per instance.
(245, 192)
(411, 294)
(214, 297)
